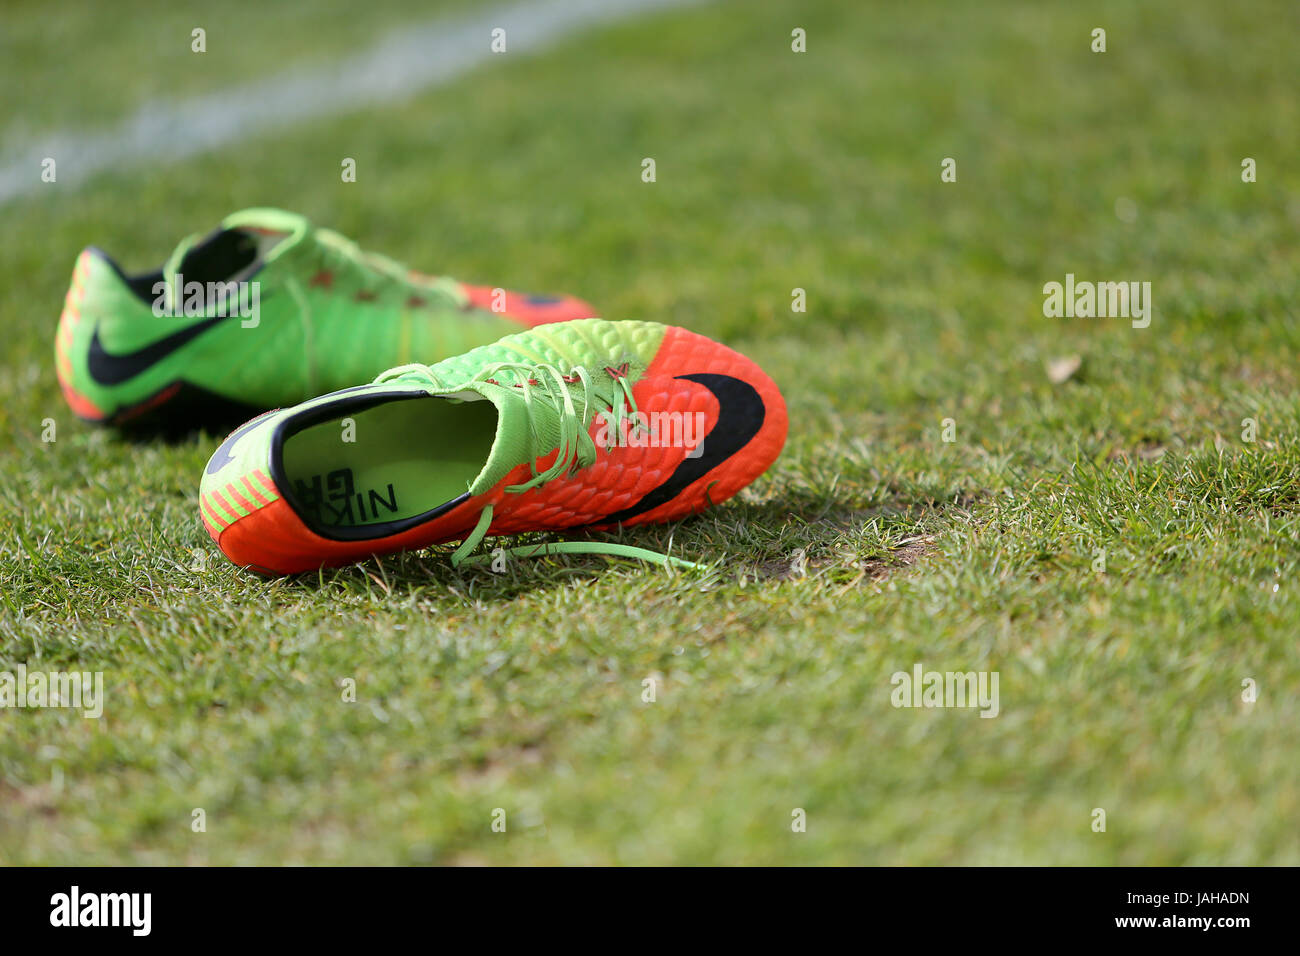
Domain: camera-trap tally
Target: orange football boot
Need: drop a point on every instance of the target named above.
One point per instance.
(583, 424)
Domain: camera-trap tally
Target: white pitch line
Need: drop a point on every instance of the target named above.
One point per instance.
(400, 65)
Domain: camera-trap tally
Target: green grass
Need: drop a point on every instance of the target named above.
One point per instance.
(1119, 690)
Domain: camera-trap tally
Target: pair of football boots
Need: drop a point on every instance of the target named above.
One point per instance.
(498, 413)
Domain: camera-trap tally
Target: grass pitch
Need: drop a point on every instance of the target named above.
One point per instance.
(885, 537)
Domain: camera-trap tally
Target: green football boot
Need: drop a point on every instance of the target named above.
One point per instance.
(266, 311)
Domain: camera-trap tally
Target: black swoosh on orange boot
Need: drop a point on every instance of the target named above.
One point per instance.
(740, 417)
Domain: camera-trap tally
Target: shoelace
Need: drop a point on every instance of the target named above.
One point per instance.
(340, 250)
(577, 450)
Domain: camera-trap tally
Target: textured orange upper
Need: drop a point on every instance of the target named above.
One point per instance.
(274, 538)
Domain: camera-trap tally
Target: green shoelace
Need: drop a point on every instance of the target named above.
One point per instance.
(547, 384)
(373, 268)
(369, 269)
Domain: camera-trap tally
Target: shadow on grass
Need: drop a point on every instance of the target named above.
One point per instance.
(188, 412)
(792, 535)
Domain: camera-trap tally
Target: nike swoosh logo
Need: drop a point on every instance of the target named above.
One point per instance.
(740, 416)
(108, 369)
(222, 456)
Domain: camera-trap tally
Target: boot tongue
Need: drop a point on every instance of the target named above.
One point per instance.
(274, 230)
(516, 426)
(523, 428)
